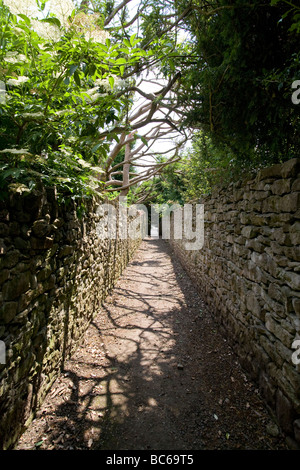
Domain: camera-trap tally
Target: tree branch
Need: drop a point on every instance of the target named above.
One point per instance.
(115, 11)
(138, 179)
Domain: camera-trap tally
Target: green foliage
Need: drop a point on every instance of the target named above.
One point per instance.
(203, 167)
(68, 82)
(166, 188)
(237, 69)
(237, 83)
(208, 166)
(292, 12)
(72, 176)
(64, 93)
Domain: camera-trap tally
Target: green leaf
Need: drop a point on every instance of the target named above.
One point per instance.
(134, 41)
(127, 43)
(132, 38)
(115, 137)
(73, 68)
(96, 147)
(145, 141)
(77, 79)
(91, 69)
(103, 47)
(111, 82)
(121, 61)
(52, 21)
(25, 18)
(59, 81)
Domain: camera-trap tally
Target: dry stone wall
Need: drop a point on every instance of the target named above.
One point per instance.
(249, 273)
(55, 272)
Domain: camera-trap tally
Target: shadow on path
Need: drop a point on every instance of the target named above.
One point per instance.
(153, 373)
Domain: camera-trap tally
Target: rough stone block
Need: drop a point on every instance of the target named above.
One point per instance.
(294, 232)
(266, 262)
(290, 373)
(4, 275)
(3, 247)
(268, 388)
(296, 305)
(291, 278)
(13, 288)
(4, 230)
(250, 231)
(281, 237)
(255, 245)
(275, 292)
(285, 412)
(290, 202)
(292, 252)
(41, 228)
(296, 185)
(65, 251)
(11, 258)
(280, 187)
(290, 168)
(41, 243)
(276, 328)
(272, 204)
(272, 306)
(253, 304)
(21, 244)
(8, 312)
(296, 426)
(274, 171)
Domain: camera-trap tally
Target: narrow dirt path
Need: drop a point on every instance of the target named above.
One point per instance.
(154, 374)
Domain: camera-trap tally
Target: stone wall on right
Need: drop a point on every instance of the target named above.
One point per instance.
(248, 272)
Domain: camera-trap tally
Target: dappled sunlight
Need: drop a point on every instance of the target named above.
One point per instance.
(152, 372)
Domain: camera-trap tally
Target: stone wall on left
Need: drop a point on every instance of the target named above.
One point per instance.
(55, 272)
